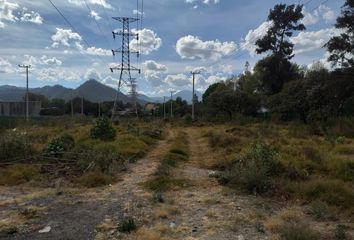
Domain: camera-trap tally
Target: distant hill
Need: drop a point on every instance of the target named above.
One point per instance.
(184, 94)
(91, 90)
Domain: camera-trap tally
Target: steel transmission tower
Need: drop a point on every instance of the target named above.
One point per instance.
(125, 67)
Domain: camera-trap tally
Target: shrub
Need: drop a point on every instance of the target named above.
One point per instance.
(255, 170)
(164, 183)
(18, 174)
(155, 134)
(15, 145)
(127, 225)
(321, 211)
(60, 144)
(340, 232)
(222, 140)
(342, 168)
(103, 130)
(95, 179)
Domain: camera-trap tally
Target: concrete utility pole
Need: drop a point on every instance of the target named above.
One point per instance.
(27, 95)
(172, 103)
(193, 97)
(99, 109)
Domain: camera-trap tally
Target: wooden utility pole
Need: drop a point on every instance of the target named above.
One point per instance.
(193, 97)
(82, 105)
(27, 93)
(72, 104)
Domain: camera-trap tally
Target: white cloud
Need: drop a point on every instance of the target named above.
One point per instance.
(249, 43)
(311, 41)
(102, 3)
(5, 66)
(95, 15)
(191, 47)
(32, 17)
(42, 61)
(137, 12)
(55, 74)
(110, 81)
(154, 66)
(322, 12)
(65, 37)
(7, 10)
(98, 51)
(204, 1)
(92, 74)
(148, 41)
(178, 80)
(154, 72)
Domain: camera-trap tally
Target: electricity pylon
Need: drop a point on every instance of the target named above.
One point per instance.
(125, 68)
(27, 93)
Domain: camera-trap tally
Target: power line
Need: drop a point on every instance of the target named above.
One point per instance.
(73, 28)
(98, 26)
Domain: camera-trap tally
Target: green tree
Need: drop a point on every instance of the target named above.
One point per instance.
(285, 20)
(342, 47)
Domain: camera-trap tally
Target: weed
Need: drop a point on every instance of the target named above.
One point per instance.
(161, 184)
(15, 145)
(18, 174)
(95, 179)
(222, 140)
(103, 130)
(321, 211)
(158, 197)
(297, 231)
(127, 225)
(60, 144)
(340, 232)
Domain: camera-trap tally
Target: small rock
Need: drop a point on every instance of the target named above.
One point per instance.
(45, 230)
(172, 224)
(239, 208)
(195, 229)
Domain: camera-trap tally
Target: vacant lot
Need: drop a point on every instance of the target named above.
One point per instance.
(154, 181)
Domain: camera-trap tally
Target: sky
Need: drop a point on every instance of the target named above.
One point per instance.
(176, 37)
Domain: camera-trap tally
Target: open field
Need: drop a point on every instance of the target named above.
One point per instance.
(224, 181)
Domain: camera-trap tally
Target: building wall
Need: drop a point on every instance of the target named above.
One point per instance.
(19, 108)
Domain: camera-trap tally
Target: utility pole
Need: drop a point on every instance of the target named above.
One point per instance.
(125, 67)
(99, 109)
(27, 95)
(164, 107)
(193, 97)
(172, 103)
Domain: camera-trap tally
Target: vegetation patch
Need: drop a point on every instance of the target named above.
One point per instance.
(17, 174)
(95, 179)
(163, 183)
(103, 130)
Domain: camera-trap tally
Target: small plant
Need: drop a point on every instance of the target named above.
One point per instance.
(15, 145)
(103, 130)
(127, 225)
(60, 144)
(255, 171)
(340, 232)
(18, 174)
(95, 179)
(158, 197)
(320, 211)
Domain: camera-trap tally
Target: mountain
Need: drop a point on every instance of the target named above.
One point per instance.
(91, 90)
(187, 95)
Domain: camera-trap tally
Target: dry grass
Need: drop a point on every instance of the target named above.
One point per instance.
(147, 234)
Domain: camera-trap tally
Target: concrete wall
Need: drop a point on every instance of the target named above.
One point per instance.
(19, 108)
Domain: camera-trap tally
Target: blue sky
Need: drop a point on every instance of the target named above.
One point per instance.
(216, 36)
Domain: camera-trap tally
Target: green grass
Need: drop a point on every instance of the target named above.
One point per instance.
(17, 174)
(95, 179)
(164, 183)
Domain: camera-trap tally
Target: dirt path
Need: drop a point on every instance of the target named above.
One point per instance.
(205, 210)
(83, 214)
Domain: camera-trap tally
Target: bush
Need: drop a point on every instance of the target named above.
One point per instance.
(164, 183)
(95, 179)
(103, 130)
(15, 145)
(60, 144)
(18, 174)
(127, 225)
(255, 171)
(222, 140)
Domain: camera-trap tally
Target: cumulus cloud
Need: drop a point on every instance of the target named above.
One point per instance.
(65, 37)
(148, 41)
(178, 80)
(55, 74)
(110, 81)
(310, 41)
(95, 15)
(7, 13)
(154, 72)
(42, 61)
(32, 17)
(92, 74)
(5, 66)
(102, 3)
(249, 43)
(98, 51)
(191, 47)
(322, 12)
(203, 1)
